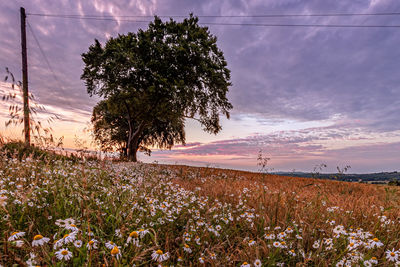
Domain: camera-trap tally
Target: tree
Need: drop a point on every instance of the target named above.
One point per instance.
(110, 129)
(153, 80)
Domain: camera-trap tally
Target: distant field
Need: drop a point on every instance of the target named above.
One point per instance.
(60, 213)
(379, 177)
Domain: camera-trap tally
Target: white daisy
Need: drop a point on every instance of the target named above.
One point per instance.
(352, 246)
(64, 254)
(374, 260)
(289, 230)
(257, 263)
(269, 236)
(159, 255)
(92, 244)
(281, 235)
(19, 243)
(60, 223)
(115, 252)
(110, 245)
(78, 243)
(292, 252)
(143, 232)
(69, 222)
(16, 235)
(392, 255)
(187, 249)
(133, 237)
(72, 227)
(118, 233)
(69, 238)
(201, 260)
(376, 243)
(39, 240)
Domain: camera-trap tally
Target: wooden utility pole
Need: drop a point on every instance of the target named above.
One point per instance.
(25, 78)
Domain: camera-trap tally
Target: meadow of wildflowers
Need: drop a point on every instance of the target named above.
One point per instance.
(60, 213)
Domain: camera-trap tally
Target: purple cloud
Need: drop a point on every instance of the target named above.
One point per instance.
(302, 74)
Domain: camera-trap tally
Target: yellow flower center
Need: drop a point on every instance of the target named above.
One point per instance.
(66, 235)
(251, 241)
(64, 252)
(73, 225)
(37, 237)
(159, 252)
(186, 246)
(134, 234)
(14, 233)
(115, 250)
(375, 239)
(245, 263)
(292, 251)
(392, 254)
(283, 242)
(141, 230)
(289, 229)
(373, 258)
(91, 242)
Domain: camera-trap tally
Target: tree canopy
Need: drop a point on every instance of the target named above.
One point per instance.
(152, 80)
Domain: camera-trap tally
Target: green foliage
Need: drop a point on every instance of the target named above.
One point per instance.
(19, 150)
(394, 183)
(152, 80)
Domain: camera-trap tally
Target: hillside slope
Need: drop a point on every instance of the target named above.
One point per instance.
(66, 213)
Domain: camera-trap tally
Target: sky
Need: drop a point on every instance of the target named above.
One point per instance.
(302, 95)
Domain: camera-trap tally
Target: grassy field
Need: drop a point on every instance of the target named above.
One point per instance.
(63, 213)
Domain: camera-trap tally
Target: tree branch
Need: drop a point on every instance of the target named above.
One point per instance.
(196, 119)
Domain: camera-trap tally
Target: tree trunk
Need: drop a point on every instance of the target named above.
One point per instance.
(132, 155)
(133, 142)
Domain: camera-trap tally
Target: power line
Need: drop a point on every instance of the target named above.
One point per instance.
(47, 61)
(42, 52)
(226, 16)
(229, 24)
(303, 25)
(90, 18)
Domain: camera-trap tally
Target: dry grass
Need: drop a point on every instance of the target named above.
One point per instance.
(299, 198)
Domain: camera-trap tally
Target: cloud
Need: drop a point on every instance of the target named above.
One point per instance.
(278, 74)
(299, 149)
